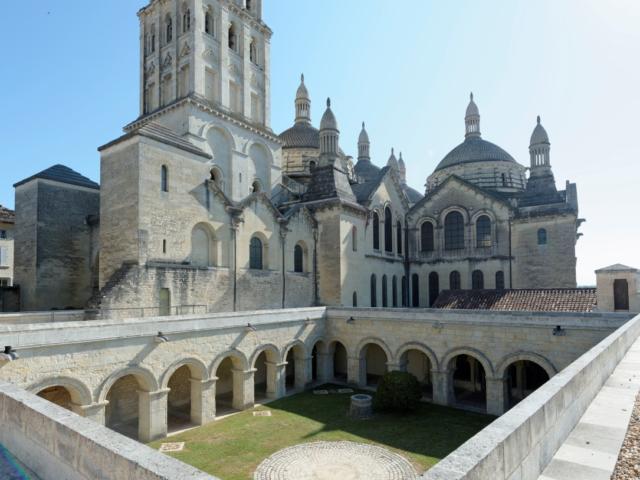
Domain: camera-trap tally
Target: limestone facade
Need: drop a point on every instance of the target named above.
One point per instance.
(7, 223)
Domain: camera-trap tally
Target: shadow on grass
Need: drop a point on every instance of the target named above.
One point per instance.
(431, 431)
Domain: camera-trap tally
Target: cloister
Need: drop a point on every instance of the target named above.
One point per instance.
(145, 383)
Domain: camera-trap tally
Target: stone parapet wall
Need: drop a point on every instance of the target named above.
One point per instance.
(521, 443)
(54, 443)
(41, 317)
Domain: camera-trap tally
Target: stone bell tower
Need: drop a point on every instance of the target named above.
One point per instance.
(215, 50)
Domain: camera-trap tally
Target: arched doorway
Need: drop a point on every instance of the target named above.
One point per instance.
(295, 376)
(183, 389)
(522, 378)
(468, 382)
(264, 375)
(373, 363)
(417, 363)
(339, 361)
(229, 397)
(122, 412)
(58, 395)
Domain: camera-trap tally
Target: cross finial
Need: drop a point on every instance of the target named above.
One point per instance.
(392, 151)
(302, 78)
(538, 119)
(363, 125)
(471, 96)
(328, 102)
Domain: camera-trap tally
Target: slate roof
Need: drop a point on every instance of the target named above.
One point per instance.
(62, 173)
(301, 135)
(6, 215)
(412, 194)
(363, 191)
(474, 149)
(161, 134)
(366, 170)
(617, 267)
(525, 300)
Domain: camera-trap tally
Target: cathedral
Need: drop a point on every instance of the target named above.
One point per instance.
(202, 207)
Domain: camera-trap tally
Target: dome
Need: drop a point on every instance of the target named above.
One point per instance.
(301, 135)
(302, 91)
(475, 149)
(472, 108)
(364, 136)
(366, 170)
(328, 121)
(539, 134)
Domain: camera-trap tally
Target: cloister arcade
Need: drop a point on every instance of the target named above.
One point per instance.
(141, 404)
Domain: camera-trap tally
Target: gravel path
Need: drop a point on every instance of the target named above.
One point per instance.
(628, 465)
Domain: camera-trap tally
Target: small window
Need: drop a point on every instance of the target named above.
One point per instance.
(504, 180)
(385, 299)
(388, 230)
(255, 254)
(374, 298)
(298, 259)
(415, 291)
(483, 232)
(164, 301)
(164, 246)
(153, 38)
(403, 300)
(232, 38)
(500, 280)
(376, 231)
(247, 5)
(208, 23)
(255, 187)
(355, 299)
(3, 234)
(399, 237)
(186, 21)
(253, 52)
(354, 238)
(426, 237)
(454, 280)
(542, 236)
(434, 287)
(394, 291)
(164, 178)
(168, 29)
(477, 280)
(454, 231)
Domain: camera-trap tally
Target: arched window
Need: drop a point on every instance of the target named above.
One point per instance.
(542, 236)
(253, 51)
(202, 247)
(500, 280)
(454, 231)
(247, 4)
(298, 259)
(394, 291)
(504, 179)
(255, 254)
(186, 21)
(477, 280)
(168, 29)
(355, 299)
(164, 178)
(374, 298)
(385, 298)
(376, 231)
(399, 237)
(415, 290)
(208, 23)
(434, 287)
(388, 230)
(153, 38)
(354, 238)
(403, 300)
(483, 231)
(255, 187)
(232, 37)
(454, 280)
(426, 237)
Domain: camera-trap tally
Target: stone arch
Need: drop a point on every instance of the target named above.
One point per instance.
(292, 344)
(145, 377)
(265, 249)
(453, 208)
(371, 365)
(238, 358)
(377, 341)
(264, 363)
(197, 367)
(435, 365)
(273, 353)
(472, 352)
(204, 245)
(295, 355)
(78, 390)
(260, 162)
(338, 367)
(529, 356)
(208, 128)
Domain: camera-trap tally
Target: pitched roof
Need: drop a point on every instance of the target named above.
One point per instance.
(6, 215)
(618, 267)
(527, 300)
(412, 194)
(161, 134)
(62, 173)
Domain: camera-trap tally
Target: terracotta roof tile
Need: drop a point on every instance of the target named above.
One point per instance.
(528, 300)
(6, 215)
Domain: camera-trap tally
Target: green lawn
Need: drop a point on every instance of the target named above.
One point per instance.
(233, 447)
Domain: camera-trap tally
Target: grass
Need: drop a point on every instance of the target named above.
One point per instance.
(233, 447)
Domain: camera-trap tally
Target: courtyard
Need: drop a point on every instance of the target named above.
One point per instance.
(232, 448)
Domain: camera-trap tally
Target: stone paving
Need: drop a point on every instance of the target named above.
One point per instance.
(335, 460)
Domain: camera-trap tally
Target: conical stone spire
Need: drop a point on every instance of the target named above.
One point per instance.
(472, 119)
(363, 144)
(303, 103)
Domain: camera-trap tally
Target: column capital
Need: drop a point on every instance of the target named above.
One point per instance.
(204, 382)
(157, 394)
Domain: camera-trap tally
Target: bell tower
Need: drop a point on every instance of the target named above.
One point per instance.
(217, 51)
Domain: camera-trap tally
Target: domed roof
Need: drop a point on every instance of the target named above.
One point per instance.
(366, 170)
(302, 91)
(364, 136)
(539, 134)
(474, 149)
(328, 121)
(472, 108)
(301, 135)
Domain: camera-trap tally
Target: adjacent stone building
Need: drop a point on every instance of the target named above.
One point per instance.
(7, 223)
(202, 207)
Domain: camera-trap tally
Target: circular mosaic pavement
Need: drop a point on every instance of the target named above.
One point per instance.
(333, 461)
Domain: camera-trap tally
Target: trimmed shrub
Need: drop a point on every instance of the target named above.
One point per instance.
(397, 391)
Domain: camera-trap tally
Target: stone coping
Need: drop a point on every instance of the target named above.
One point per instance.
(56, 443)
(522, 442)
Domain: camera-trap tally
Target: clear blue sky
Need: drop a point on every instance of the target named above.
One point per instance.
(70, 82)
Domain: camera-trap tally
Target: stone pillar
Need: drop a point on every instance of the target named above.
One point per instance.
(152, 422)
(495, 396)
(303, 369)
(396, 367)
(442, 387)
(325, 367)
(243, 388)
(356, 371)
(93, 411)
(203, 400)
(276, 379)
